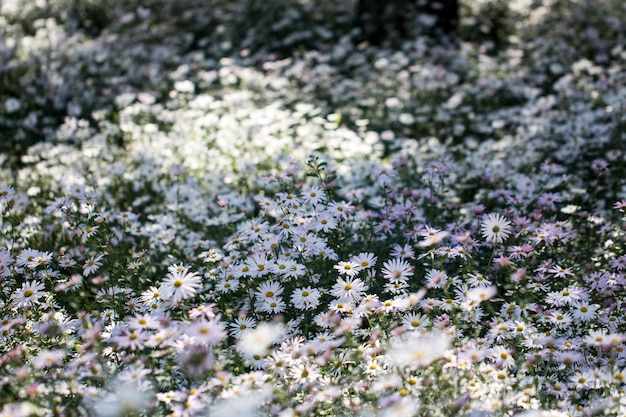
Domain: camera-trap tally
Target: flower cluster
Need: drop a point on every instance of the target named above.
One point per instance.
(349, 231)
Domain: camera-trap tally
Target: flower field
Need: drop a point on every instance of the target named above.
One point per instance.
(235, 209)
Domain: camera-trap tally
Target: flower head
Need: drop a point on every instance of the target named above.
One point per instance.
(256, 341)
(29, 294)
(92, 265)
(180, 284)
(349, 268)
(417, 350)
(397, 270)
(496, 229)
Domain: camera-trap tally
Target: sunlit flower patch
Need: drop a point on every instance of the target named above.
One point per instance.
(203, 228)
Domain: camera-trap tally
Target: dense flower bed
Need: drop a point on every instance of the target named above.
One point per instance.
(214, 225)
